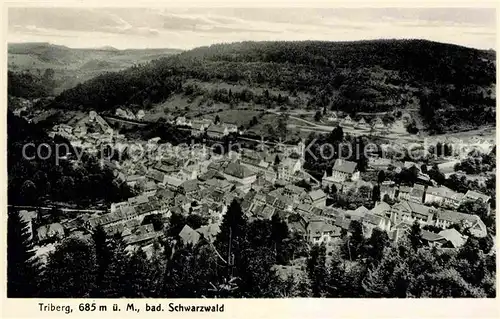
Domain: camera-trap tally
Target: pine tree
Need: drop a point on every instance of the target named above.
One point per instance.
(103, 255)
(376, 194)
(316, 269)
(415, 236)
(70, 271)
(112, 284)
(231, 237)
(22, 265)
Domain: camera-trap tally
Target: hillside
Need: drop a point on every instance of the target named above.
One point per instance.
(441, 83)
(72, 66)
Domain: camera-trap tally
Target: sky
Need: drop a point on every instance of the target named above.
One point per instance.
(192, 27)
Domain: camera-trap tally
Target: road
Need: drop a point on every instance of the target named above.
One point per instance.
(62, 209)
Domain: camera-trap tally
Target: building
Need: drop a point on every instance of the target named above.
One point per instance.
(417, 194)
(362, 124)
(50, 232)
(404, 192)
(319, 231)
(346, 121)
(289, 169)
(189, 236)
(446, 218)
(316, 198)
(443, 196)
(473, 196)
(241, 174)
(411, 212)
(217, 131)
(342, 170)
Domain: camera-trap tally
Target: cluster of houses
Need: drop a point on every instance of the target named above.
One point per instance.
(187, 180)
(129, 115)
(202, 126)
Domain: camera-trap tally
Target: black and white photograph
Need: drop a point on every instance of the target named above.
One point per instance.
(231, 152)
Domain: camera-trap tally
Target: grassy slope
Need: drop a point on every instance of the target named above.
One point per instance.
(365, 76)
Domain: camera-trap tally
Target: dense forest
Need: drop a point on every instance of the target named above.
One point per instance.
(34, 178)
(446, 82)
(260, 251)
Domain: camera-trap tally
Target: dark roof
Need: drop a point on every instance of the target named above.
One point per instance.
(344, 166)
(238, 170)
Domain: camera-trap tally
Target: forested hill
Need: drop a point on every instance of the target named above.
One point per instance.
(447, 83)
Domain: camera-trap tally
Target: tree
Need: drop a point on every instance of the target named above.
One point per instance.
(29, 192)
(376, 244)
(156, 220)
(381, 177)
(316, 269)
(353, 243)
(277, 160)
(103, 255)
(415, 236)
(376, 194)
(70, 271)
(230, 239)
(22, 265)
(279, 232)
(217, 119)
(318, 116)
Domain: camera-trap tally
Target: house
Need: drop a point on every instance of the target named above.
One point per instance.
(241, 174)
(371, 221)
(27, 217)
(319, 231)
(209, 232)
(332, 117)
(453, 237)
(297, 223)
(342, 170)
(446, 218)
(137, 200)
(50, 232)
(189, 236)
(157, 176)
(404, 192)
(381, 209)
(316, 198)
(173, 183)
(140, 115)
(217, 131)
(410, 212)
(346, 121)
(197, 129)
(443, 196)
(378, 124)
(362, 124)
(289, 168)
(132, 180)
(387, 189)
(182, 121)
(432, 239)
(189, 187)
(378, 162)
(473, 196)
(417, 194)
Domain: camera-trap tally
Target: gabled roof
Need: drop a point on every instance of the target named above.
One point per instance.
(190, 186)
(214, 128)
(380, 209)
(317, 194)
(344, 166)
(238, 170)
(430, 236)
(476, 195)
(189, 235)
(453, 236)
